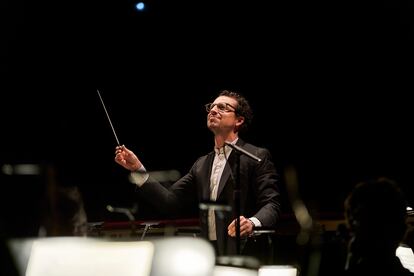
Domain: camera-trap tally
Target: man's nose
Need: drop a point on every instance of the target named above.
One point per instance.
(214, 110)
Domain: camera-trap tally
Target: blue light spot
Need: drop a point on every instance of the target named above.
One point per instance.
(140, 6)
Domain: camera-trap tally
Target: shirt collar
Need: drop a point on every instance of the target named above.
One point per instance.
(226, 148)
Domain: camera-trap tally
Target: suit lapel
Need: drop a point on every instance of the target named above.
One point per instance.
(224, 177)
(206, 178)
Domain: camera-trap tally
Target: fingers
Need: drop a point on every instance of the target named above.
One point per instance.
(118, 153)
(127, 158)
(119, 149)
(246, 228)
(122, 152)
(121, 155)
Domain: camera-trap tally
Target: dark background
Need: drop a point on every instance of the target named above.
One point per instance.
(330, 85)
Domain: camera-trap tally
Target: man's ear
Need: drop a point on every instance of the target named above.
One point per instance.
(240, 121)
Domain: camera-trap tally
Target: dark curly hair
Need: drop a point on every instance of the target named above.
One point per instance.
(243, 108)
(375, 201)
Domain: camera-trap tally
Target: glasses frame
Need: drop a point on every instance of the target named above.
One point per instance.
(221, 107)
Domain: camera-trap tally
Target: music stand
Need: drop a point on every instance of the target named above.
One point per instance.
(236, 191)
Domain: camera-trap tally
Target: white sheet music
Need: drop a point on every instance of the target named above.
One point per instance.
(406, 256)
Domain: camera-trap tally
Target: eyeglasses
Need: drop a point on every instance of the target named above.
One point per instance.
(222, 107)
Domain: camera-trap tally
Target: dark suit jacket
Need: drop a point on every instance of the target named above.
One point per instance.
(259, 192)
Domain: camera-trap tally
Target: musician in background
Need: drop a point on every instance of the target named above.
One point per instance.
(211, 178)
(376, 215)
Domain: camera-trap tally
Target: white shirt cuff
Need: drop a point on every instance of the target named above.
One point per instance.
(139, 177)
(256, 222)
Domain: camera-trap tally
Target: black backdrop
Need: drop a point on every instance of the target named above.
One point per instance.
(329, 84)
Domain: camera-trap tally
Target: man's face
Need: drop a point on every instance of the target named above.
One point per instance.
(222, 117)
